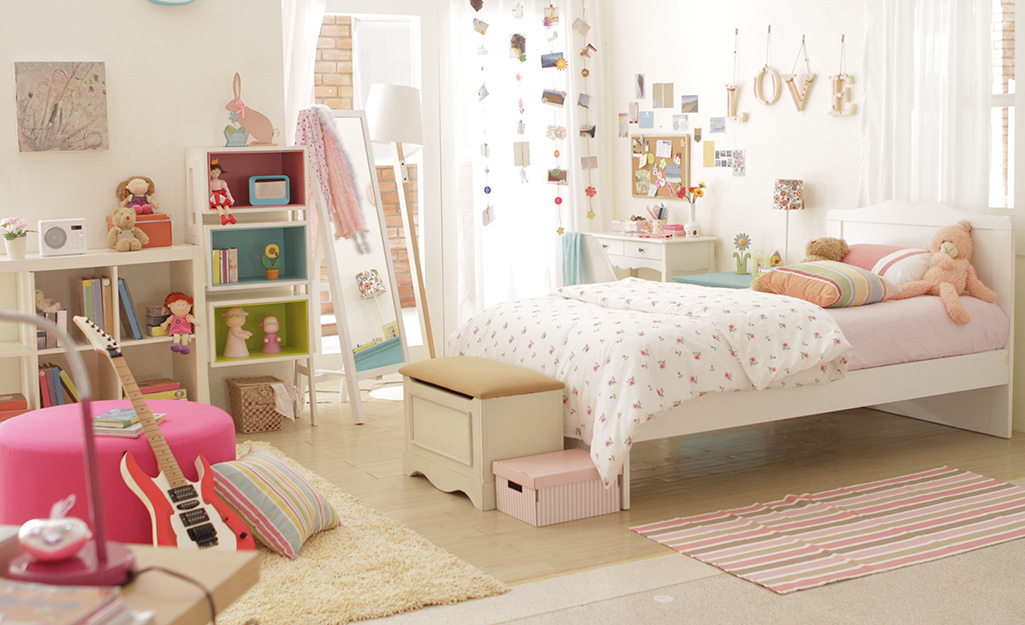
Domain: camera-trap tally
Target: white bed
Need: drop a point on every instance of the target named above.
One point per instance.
(971, 391)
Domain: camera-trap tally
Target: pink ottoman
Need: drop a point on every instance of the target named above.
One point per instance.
(41, 461)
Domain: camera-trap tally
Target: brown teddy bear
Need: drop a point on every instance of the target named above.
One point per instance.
(951, 273)
(822, 248)
(125, 236)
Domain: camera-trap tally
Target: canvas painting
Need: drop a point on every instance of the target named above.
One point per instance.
(61, 106)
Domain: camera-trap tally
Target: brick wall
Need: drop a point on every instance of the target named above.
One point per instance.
(333, 87)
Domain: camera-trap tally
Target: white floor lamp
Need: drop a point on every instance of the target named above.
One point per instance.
(393, 116)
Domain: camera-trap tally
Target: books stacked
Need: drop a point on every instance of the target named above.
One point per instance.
(225, 266)
(12, 405)
(122, 422)
(26, 602)
(98, 302)
(162, 388)
(155, 315)
(55, 386)
(47, 340)
(129, 319)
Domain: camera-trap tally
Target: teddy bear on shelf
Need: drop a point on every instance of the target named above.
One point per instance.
(125, 236)
(137, 193)
(951, 273)
(822, 248)
(44, 304)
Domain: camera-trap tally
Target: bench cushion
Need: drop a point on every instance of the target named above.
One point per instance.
(480, 377)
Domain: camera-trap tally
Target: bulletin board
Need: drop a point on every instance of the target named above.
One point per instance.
(660, 165)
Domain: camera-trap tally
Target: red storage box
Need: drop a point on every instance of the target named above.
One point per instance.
(156, 225)
(552, 488)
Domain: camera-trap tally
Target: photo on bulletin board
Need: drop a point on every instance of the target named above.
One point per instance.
(659, 165)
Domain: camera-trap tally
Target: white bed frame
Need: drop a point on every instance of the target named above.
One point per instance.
(971, 392)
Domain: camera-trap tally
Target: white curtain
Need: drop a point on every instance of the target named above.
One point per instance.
(926, 111)
(519, 253)
(300, 22)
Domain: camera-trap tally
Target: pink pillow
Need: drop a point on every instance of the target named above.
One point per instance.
(899, 265)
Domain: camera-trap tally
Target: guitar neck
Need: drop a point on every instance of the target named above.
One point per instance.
(165, 459)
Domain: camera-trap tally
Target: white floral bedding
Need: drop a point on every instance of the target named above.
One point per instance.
(632, 349)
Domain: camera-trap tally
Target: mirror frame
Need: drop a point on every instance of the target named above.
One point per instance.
(326, 240)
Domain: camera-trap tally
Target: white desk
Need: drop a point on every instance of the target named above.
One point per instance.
(668, 256)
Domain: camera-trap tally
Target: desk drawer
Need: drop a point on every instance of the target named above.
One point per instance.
(641, 249)
(612, 247)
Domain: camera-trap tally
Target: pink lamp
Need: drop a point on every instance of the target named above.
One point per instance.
(100, 562)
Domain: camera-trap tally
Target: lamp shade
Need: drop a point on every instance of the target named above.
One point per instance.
(393, 114)
(369, 283)
(789, 195)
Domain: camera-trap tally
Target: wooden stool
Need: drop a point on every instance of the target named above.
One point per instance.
(463, 413)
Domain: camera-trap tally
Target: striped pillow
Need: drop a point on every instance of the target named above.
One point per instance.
(279, 505)
(899, 265)
(829, 284)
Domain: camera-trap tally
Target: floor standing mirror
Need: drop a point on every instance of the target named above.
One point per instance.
(362, 281)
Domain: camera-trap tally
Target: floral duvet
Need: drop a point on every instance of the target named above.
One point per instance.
(632, 349)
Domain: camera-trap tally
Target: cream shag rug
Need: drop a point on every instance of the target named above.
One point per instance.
(370, 566)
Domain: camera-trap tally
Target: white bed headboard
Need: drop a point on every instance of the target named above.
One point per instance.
(898, 223)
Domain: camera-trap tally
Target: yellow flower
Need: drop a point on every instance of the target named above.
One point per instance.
(272, 250)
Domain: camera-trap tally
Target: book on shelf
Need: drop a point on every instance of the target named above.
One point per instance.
(106, 292)
(158, 385)
(46, 398)
(120, 418)
(129, 319)
(55, 384)
(233, 265)
(98, 304)
(215, 265)
(13, 401)
(178, 393)
(7, 414)
(87, 298)
(69, 385)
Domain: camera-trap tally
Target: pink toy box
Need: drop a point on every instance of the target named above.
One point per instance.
(552, 488)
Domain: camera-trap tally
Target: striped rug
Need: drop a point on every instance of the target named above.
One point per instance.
(804, 541)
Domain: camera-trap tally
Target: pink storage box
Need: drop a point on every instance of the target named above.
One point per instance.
(552, 488)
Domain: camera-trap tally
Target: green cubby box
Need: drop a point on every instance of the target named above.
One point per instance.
(293, 315)
(251, 243)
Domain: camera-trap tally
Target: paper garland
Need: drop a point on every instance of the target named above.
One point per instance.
(588, 130)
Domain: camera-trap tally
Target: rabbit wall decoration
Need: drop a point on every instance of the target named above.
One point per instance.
(252, 122)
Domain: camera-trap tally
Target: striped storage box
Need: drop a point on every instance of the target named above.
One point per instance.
(552, 488)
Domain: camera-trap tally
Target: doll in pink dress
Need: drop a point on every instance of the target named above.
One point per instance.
(220, 196)
(271, 340)
(181, 324)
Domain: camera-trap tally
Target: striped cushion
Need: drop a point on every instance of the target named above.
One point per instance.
(829, 284)
(279, 505)
(899, 265)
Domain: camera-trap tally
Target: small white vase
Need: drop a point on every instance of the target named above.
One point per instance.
(691, 227)
(15, 248)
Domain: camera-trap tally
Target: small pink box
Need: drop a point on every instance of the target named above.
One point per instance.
(552, 488)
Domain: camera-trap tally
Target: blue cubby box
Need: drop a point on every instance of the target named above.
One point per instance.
(269, 190)
(252, 241)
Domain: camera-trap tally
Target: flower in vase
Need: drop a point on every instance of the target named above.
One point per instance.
(14, 227)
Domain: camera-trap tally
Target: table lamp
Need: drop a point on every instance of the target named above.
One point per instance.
(788, 196)
(100, 562)
(393, 116)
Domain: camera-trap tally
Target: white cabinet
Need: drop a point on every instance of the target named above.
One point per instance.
(668, 256)
(149, 274)
(282, 285)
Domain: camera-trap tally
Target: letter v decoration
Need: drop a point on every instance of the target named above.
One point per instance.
(799, 93)
(777, 85)
(731, 89)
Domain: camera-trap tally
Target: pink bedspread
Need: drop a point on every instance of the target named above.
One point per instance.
(918, 328)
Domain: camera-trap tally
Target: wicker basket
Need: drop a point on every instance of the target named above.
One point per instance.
(252, 403)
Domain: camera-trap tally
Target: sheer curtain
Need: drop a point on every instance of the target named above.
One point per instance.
(926, 121)
(519, 254)
(300, 23)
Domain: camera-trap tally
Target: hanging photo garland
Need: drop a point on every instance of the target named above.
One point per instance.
(588, 162)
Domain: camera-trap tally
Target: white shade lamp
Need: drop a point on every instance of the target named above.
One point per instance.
(788, 195)
(393, 116)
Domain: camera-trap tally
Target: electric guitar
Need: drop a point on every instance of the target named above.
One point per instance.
(183, 513)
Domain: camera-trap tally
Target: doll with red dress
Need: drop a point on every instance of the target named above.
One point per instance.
(220, 195)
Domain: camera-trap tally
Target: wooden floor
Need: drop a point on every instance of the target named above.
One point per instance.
(677, 477)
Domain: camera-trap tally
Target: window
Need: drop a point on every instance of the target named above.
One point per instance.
(1001, 187)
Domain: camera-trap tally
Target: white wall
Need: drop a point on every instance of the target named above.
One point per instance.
(169, 74)
(690, 44)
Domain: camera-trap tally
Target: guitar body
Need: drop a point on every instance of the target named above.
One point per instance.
(191, 516)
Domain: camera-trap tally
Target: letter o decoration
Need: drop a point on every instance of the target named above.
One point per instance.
(777, 85)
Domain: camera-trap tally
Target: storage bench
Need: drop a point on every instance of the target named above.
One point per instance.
(553, 488)
(463, 413)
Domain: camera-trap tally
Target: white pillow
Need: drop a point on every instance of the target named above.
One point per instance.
(899, 265)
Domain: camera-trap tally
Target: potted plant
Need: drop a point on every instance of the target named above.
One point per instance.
(15, 230)
(272, 261)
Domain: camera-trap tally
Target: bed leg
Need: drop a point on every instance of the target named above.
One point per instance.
(624, 484)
